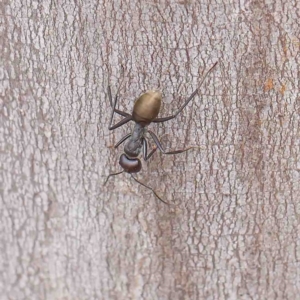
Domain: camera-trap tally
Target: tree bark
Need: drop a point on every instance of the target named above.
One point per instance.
(231, 230)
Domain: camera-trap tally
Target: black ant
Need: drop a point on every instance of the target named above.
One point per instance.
(145, 111)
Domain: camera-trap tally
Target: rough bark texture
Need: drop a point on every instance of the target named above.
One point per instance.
(232, 231)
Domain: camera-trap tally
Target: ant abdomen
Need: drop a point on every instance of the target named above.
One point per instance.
(146, 107)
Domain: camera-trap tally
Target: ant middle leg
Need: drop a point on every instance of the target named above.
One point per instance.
(160, 147)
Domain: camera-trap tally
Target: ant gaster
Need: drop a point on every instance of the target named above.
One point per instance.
(145, 111)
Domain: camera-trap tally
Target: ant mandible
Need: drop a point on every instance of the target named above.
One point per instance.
(145, 111)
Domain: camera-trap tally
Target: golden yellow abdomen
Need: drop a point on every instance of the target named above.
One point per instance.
(146, 107)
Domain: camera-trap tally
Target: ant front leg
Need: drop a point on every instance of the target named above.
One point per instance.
(146, 156)
(122, 140)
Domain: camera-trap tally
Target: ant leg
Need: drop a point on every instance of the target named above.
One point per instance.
(148, 187)
(145, 150)
(113, 174)
(164, 119)
(122, 113)
(123, 121)
(151, 153)
(122, 140)
(159, 145)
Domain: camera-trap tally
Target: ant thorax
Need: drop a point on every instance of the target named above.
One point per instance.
(134, 145)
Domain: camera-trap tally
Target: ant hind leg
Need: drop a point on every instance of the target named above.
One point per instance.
(120, 112)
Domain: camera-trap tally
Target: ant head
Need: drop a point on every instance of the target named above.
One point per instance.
(130, 165)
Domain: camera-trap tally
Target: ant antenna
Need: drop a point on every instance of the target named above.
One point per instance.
(201, 82)
(113, 174)
(148, 187)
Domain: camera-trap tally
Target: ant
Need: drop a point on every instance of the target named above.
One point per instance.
(145, 111)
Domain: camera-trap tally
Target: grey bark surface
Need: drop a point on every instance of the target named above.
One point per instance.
(232, 231)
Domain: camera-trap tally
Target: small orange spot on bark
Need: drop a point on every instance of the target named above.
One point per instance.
(269, 85)
(296, 42)
(282, 89)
